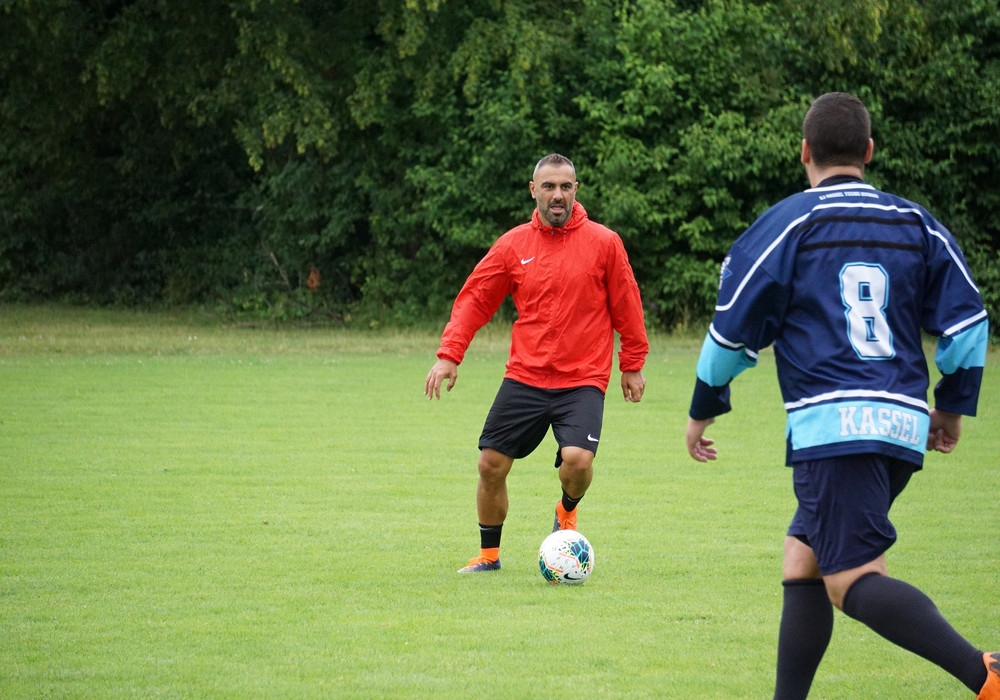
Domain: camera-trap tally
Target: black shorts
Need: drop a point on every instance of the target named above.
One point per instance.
(844, 502)
(521, 415)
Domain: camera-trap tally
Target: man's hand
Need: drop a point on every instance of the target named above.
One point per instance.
(442, 369)
(699, 447)
(633, 384)
(945, 430)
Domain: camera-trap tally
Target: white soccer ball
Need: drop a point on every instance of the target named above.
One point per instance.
(566, 557)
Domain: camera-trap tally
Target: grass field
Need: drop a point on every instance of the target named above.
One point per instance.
(190, 510)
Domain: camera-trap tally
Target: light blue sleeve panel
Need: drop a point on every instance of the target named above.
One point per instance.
(960, 358)
(718, 365)
(720, 361)
(964, 350)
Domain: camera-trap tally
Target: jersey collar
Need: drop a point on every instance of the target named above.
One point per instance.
(838, 180)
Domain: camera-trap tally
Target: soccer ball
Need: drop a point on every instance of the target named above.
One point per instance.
(566, 557)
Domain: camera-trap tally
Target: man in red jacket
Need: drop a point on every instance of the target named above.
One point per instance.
(573, 288)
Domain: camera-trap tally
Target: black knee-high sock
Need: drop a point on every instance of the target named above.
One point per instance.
(569, 504)
(909, 619)
(489, 536)
(804, 634)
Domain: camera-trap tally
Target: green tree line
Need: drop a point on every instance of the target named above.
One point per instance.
(353, 159)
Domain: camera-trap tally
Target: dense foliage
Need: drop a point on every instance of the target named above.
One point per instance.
(353, 160)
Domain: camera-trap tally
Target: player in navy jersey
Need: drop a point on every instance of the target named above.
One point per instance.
(842, 279)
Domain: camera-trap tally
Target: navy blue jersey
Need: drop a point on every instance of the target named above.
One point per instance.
(841, 279)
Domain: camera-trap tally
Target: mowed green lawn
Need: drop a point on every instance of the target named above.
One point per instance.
(189, 510)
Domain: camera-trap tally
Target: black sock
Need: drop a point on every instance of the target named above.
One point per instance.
(804, 633)
(909, 619)
(489, 536)
(570, 503)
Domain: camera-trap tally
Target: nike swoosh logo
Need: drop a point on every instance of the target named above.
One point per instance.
(592, 438)
(525, 262)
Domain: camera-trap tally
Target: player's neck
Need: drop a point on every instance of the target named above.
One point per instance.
(817, 175)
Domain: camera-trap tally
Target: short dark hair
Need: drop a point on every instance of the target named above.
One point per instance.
(553, 159)
(837, 128)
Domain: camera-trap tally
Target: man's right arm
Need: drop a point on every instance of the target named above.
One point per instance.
(478, 300)
(442, 369)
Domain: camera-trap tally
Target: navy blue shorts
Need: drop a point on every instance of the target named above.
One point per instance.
(844, 502)
(521, 415)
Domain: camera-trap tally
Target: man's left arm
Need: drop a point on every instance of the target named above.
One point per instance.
(954, 312)
(633, 386)
(960, 358)
(625, 304)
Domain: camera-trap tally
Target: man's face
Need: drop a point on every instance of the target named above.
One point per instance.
(554, 189)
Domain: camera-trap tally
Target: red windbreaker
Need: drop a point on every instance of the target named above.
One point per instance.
(573, 288)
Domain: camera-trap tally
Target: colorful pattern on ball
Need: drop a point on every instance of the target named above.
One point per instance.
(566, 557)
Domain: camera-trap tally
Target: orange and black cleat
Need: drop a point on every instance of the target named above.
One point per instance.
(991, 688)
(480, 564)
(564, 520)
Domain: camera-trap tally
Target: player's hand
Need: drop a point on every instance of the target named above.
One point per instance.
(699, 447)
(442, 369)
(633, 385)
(944, 431)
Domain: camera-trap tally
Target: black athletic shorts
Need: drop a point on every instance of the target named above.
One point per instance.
(844, 503)
(521, 415)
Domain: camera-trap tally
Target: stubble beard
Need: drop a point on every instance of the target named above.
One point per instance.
(553, 220)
